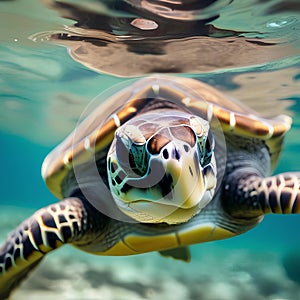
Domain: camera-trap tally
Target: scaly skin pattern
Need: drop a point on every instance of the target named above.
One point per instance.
(248, 192)
(279, 194)
(46, 230)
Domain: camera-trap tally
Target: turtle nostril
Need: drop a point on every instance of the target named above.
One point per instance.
(171, 152)
(176, 154)
(165, 154)
(186, 148)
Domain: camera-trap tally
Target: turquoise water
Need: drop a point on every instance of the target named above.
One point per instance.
(44, 88)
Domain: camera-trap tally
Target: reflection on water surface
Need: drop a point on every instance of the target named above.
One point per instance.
(129, 38)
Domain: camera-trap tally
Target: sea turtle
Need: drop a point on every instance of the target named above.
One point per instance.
(162, 164)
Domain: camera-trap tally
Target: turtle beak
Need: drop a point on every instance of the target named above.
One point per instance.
(188, 185)
(176, 179)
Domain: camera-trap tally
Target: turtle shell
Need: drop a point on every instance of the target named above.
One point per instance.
(94, 135)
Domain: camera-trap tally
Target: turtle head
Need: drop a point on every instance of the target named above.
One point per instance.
(161, 167)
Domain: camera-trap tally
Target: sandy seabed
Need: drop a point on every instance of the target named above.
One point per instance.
(215, 273)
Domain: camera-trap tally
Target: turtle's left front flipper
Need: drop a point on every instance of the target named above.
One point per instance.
(44, 231)
(254, 196)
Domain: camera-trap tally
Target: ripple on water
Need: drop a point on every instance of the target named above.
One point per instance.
(176, 36)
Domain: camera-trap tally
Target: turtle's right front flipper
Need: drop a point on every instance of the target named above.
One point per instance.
(280, 194)
(253, 196)
(44, 231)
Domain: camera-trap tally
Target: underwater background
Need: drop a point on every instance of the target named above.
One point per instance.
(57, 56)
